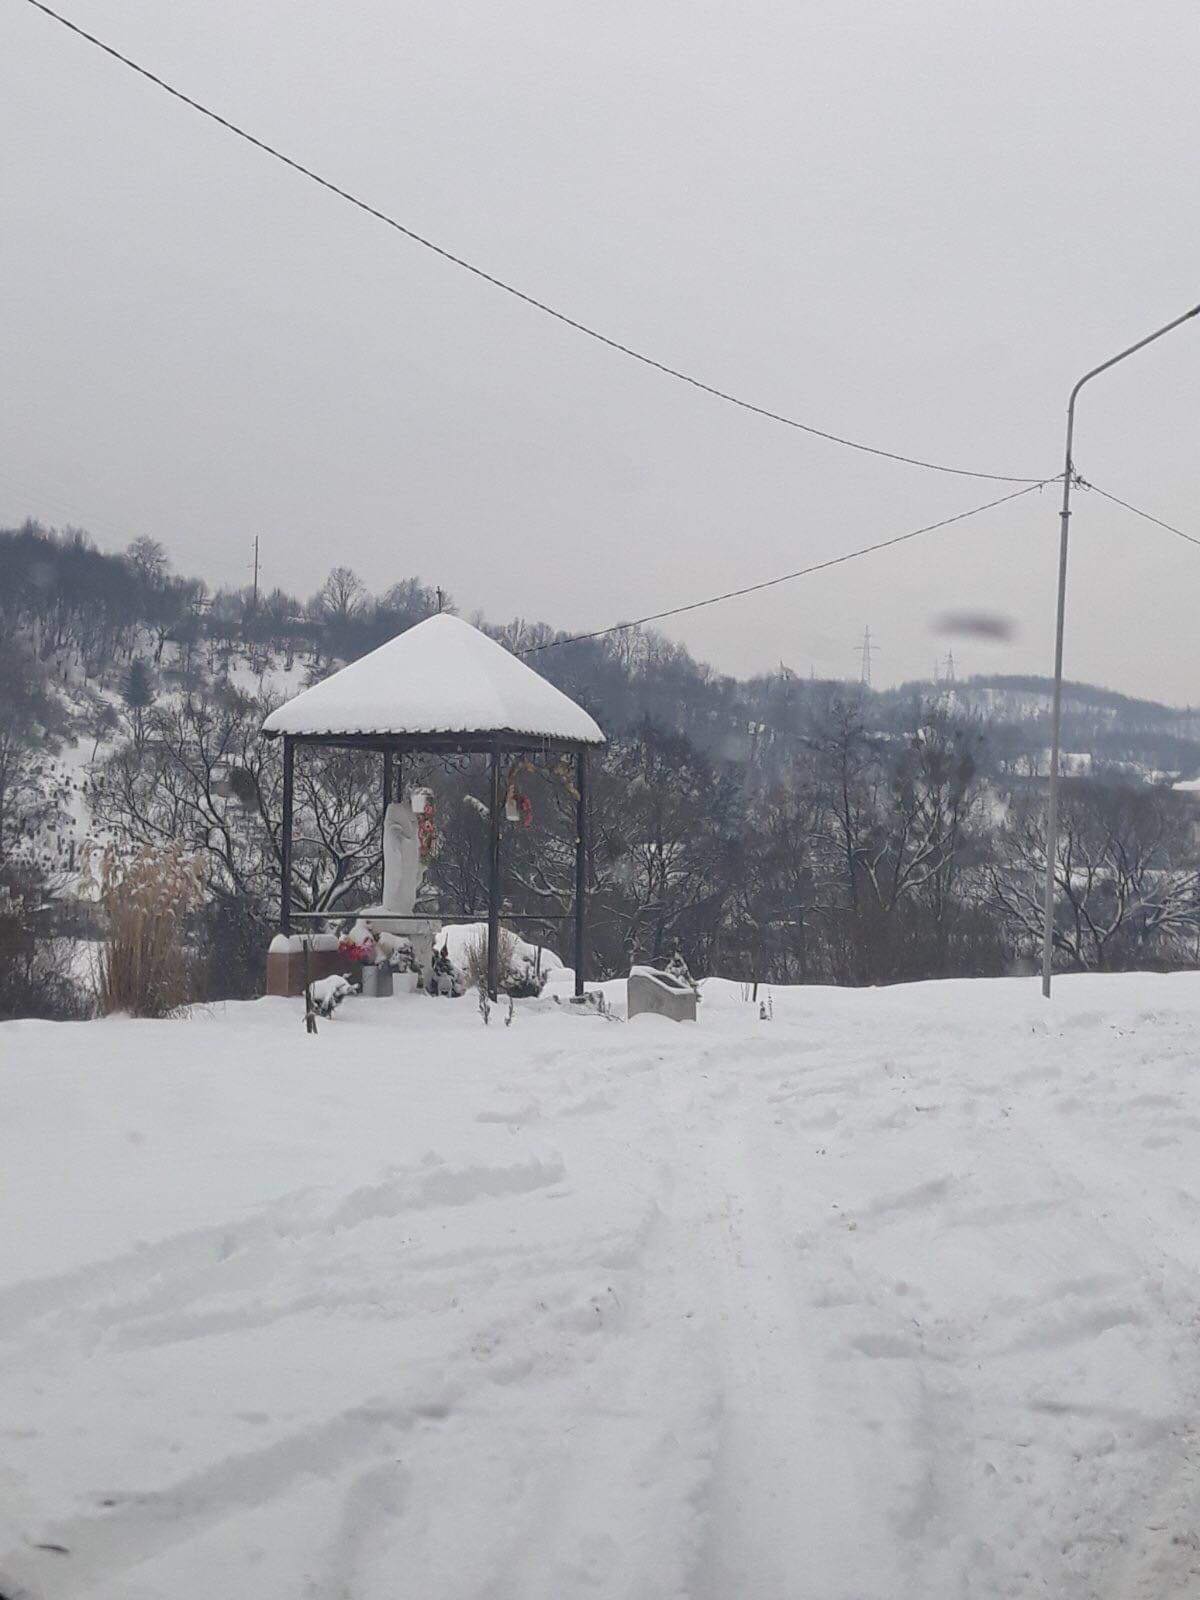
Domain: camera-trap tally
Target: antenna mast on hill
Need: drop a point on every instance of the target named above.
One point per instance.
(950, 666)
(868, 650)
(254, 602)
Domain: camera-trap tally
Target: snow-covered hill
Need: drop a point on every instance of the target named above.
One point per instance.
(891, 1295)
(61, 829)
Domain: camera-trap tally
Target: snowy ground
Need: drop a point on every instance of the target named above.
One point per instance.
(892, 1296)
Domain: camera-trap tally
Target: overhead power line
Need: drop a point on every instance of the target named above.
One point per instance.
(786, 577)
(501, 283)
(1137, 511)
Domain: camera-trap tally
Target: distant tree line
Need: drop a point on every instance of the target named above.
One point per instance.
(776, 829)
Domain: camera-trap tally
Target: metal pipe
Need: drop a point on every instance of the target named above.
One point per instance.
(344, 914)
(285, 887)
(493, 937)
(1056, 713)
(581, 786)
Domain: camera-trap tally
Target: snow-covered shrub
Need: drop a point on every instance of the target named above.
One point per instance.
(444, 977)
(518, 972)
(144, 966)
(328, 993)
(395, 951)
(678, 969)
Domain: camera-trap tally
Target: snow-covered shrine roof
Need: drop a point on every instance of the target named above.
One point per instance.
(441, 679)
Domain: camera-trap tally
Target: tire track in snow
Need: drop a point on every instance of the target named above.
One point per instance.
(784, 1504)
(610, 1505)
(173, 1270)
(622, 1493)
(1158, 1554)
(131, 1529)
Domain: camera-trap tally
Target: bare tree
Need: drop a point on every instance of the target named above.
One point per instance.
(148, 559)
(896, 813)
(33, 719)
(1125, 873)
(175, 789)
(774, 906)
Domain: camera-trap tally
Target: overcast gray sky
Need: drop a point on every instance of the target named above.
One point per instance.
(915, 224)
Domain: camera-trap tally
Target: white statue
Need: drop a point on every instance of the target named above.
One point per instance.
(404, 873)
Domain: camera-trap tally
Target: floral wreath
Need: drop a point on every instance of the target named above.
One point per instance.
(516, 799)
(427, 832)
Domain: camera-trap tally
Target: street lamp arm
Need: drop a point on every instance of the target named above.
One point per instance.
(1056, 712)
(1132, 350)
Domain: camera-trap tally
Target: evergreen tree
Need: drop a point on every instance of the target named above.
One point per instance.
(137, 691)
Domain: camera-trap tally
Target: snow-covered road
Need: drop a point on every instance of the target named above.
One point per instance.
(894, 1295)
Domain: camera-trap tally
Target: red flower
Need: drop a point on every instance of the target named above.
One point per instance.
(364, 952)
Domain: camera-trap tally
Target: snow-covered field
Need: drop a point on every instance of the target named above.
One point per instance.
(893, 1295)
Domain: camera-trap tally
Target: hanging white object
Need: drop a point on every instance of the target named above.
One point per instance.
(418, 799)
(512, 811)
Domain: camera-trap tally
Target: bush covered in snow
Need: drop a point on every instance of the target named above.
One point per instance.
(521, 969)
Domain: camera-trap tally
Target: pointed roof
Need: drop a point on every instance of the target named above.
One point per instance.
(441, 677)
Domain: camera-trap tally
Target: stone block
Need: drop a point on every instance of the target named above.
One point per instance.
(285, 966)
(661, 995)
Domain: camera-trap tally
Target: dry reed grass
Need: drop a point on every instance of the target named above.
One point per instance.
(144, 967)
(475, 971)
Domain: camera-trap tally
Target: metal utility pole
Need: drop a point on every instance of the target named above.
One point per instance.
(255, 575)
(581, 855)
(1056, 714)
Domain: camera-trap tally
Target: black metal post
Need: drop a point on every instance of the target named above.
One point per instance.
(310, 1013)
(581, 784)
(493, 934)
(285, 888)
